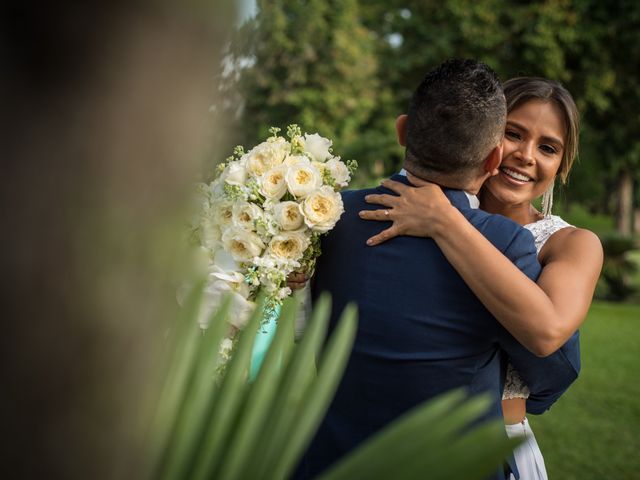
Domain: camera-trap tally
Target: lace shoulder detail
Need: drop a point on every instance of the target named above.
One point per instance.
(514, 386)
(543, 229)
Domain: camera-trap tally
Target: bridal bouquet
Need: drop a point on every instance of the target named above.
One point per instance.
(263, 215)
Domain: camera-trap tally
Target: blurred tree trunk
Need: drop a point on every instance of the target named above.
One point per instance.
(625, 202)
(104, 120)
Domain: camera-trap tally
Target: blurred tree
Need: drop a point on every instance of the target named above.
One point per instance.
(315, 63)
(308, 62)
(609, 97)
(530, 38)
(582, 43)
(104, 123)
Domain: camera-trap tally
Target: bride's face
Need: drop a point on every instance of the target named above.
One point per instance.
(533, 148)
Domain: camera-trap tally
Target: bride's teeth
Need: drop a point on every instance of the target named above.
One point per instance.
(516, 175)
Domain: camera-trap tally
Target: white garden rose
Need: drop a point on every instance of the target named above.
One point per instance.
(272, 183)
(245, 215)
(296, 160)
(242, 244)
(267, 155)
(322, 209)
(338, 171)
(302, 179)
(317, 146)
(223, 213)
(236, 173)
(288, 215)
(289, 245)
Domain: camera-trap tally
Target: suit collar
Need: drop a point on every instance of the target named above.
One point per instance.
(458, 198)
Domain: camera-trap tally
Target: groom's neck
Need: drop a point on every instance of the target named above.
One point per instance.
(471, 186)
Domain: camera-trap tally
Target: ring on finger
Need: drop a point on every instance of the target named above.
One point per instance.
(386, 213)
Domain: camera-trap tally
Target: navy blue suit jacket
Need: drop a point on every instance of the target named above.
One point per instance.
(421, 330)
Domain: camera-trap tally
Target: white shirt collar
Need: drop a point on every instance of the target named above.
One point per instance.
(473, 200)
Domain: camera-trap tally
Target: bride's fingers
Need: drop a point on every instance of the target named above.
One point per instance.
(397, 187)
(296, 285)
(383, 236)
(381, 199)
(380, 214)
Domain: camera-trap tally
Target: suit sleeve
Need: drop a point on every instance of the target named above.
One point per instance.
(549, 377)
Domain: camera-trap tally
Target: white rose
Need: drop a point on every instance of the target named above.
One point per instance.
(302, 179)
(322, 209)
(241, 244)
(267, 155)
(223, 213)
(317, 146)
(294, 160)
(288, 215)
(236, 174)
(289, 245)
(245, 214)
(338, 171)
(272, 183)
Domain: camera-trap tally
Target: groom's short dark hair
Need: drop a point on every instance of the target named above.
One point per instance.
(456, 117)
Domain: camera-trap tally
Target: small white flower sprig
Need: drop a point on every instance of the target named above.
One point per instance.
(262, 217)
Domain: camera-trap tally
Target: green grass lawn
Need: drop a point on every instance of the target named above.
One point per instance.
(593, 432)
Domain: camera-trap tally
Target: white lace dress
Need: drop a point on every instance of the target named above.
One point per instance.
(528, 457)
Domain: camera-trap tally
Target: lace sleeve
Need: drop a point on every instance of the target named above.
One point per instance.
(514, 386)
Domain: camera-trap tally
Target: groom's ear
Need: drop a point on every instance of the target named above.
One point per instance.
(493, 160)
(401, 130)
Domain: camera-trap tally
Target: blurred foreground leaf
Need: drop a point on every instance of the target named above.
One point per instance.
(214, 423)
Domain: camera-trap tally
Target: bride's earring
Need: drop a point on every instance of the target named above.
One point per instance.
(547, 200)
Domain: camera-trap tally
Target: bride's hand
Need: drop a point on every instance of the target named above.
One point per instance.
(417, 211)
(297, 280)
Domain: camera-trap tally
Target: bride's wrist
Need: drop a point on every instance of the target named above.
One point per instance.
(444, 221)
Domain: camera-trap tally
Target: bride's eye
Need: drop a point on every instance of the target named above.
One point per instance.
(548, 149)
(512, 134)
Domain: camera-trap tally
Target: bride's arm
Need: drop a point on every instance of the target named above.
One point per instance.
(540, 316)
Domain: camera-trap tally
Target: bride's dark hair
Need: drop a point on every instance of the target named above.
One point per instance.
(523, 89)
(455, 118)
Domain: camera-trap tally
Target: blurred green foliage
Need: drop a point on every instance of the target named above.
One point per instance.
(212, 422)
(618, 268)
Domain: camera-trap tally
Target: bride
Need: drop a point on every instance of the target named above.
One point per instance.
(540, 144)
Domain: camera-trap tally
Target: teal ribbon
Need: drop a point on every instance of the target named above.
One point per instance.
(264, 337)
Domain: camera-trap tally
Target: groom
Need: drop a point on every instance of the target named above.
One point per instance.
(422, 332)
